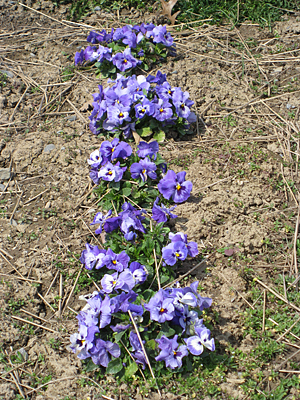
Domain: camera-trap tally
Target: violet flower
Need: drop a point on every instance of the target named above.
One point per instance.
(170, 353)
(118, 114)
(79, 57)
(182, 103)
(100, 219)
(115, 261)
(101, 350)
(138, 353)
(148, 149)
(160, 307)
(112, 172)
(125, 60)
(173, 252)
(92, 257)
(143, 169)
(82, 341)
(138, 271)
(192, 247)
(144, 108)
(174, 186)
(163, 110)
(95, 159)
(160, 213)
(115, 149)
(196, 344)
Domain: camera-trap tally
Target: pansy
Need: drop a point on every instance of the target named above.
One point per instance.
(118, 114)
(100, 219)
(143, 169)
(192, 247)
(148, 149)
(196, 344)
(101, 351)
(170, 353)
(174, 186)
(92, 257)
(160, 307)
(115, 261)
(163, 110)
(138, 271)
(82, 341)
(115, 149)
(182, 103)
(173, 252)
(125, 60)
(111, 172)
(95, 159)
(161, 213)
(144, 108)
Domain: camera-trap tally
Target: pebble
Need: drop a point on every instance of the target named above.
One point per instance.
(289, 106)
(72, 118)
(48, 205)
(174, 72)
(49, 148)
(32, 55)
(97, 8)
(14, 222)
(63, 148)
(8, 73)
(4, 174)
(2, 187)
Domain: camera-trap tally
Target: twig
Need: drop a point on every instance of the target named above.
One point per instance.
(47, 16)
(35, 197)
(288, 330)
(20, 278)
(52, 283)
(215, 183)
(264, 310)
(295, 242)
(277, 295)
(16, 206)
(143, 348)
(289, 371)
(72, 290)
(60, 294)
(46, 302)
(77, 112)
(131, 356)
(49, 383)
(34, 324)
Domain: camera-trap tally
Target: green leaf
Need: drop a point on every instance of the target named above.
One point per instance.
(131, 370)
(147, 294)
(159, 136)
(166, 330)
(164, 279)
(126, 191)
(151, 344)
(119, 335)
(114, 366)
(144, 132)
(145, 66)
(90, 366)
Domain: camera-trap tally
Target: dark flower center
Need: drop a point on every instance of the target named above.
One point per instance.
(174, 352)
(177, 254)
(182, 106)
(170, 92)
(121, 115)
(162, 310)
(178, 187)
(143, 110)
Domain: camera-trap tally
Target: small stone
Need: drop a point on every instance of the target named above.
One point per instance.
(21, 228)
(289, 106)
(48, 205)
(5, 174)
(175, 72)
(14, 222)
(32, 55)
(2, 187)
(49, 148)
(72, 118)
(97, 8)
(8, 73)
(63, 148)
(91, 210)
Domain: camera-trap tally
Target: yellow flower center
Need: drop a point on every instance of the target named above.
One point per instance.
(182, 106)
(125, 61)
(162, 310)
(161, 110)
(169, 92)
(114, 282)
(174, 352)
(109, 172)
(121, 114)
(178, 187)
(118, 101)
(143, 110)
(177, 254)
(114, 262)
(144, 171)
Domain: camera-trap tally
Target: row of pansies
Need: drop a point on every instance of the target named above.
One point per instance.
(140, 316)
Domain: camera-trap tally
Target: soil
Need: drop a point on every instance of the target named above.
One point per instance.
(234, 159)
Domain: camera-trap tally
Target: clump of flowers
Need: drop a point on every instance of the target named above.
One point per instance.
(149, 106)
(123, 49)
(133, 318)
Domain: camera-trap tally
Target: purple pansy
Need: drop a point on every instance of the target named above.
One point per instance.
(160, 213)
(143, 169)
(112, 172)
(92, 257)
(144, 108)
(125, 60)
(175, 187)
(95, 159)
(192, 247)
(100, 219)
(115, 261)
(173, 252)
(160, 307)
(147, 149)
(138, 271)
(82, 341)
(163, 110)
(170, 353)
(196, 344)
(182, 103)
(118, 114)
(138, 353)
(101, 350)
(115, 149)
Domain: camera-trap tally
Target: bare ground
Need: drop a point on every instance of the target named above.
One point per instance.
(242, 159)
